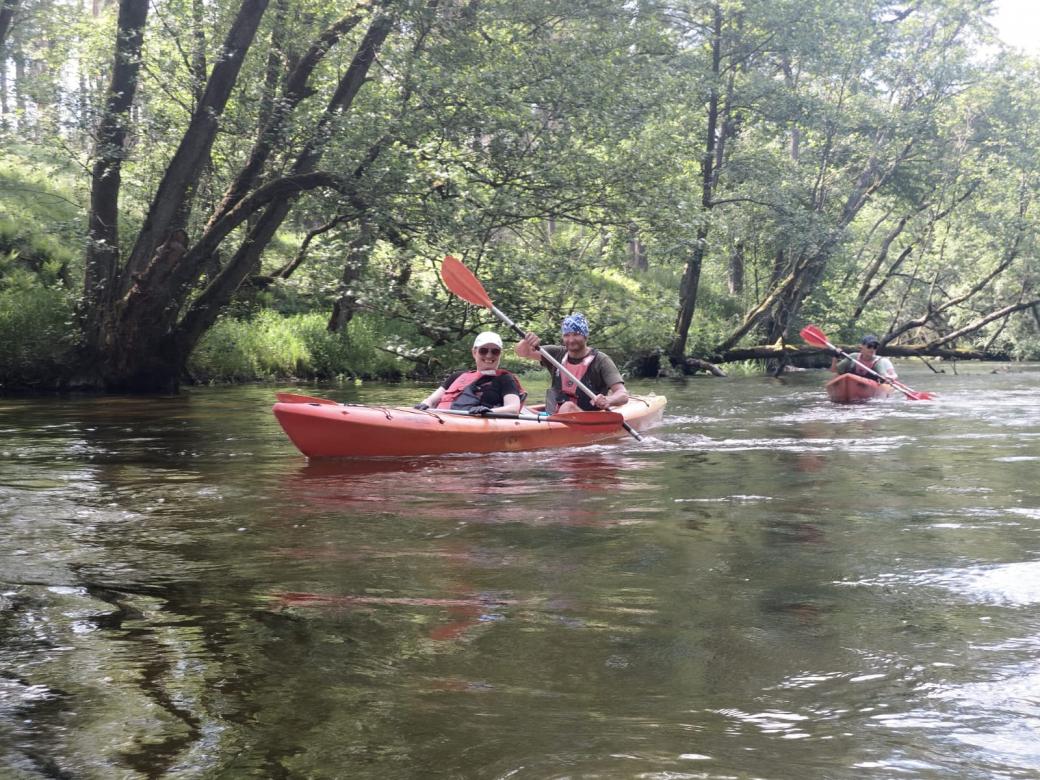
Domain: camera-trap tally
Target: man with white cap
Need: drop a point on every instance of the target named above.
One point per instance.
(592, 368)
(487, 388)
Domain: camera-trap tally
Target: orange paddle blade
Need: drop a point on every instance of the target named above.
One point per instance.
(815, 336)
(911, 394)
(461, 281)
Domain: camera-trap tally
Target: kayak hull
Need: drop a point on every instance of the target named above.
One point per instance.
(330, 430)
(853, 389)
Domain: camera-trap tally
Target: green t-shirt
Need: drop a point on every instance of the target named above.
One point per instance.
(882, 365)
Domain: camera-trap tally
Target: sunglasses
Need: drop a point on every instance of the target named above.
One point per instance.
(872, 344)
(493, 351)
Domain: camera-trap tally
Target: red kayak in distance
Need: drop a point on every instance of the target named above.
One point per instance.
(853, 389)
(321, 428)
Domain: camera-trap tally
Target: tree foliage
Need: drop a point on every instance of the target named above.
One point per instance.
(698, 176)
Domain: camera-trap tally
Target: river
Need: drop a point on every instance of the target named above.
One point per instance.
(769, 586)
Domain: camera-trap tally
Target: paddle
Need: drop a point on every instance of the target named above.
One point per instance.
(294, 398)
(461, 281)
(598, 419)
(818, 338)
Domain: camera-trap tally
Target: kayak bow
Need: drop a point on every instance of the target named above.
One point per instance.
(853, 389)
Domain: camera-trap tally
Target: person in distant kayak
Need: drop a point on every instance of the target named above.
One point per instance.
(593, 368)
(486, 388)
(868, 357)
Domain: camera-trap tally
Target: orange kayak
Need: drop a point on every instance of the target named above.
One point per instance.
(853, 389)
(325, 429)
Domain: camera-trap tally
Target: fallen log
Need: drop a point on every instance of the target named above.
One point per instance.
(776, 351)
(792, 356)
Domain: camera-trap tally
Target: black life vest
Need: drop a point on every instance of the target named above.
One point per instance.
(462, 393)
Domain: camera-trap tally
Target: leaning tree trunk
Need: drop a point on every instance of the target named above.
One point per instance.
(101, 277)
(688, 290)
(128, 306)
(203, 310)
(154, 311)
(875, 173)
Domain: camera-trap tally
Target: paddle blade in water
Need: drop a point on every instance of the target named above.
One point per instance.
(913, 395)
(461, 281)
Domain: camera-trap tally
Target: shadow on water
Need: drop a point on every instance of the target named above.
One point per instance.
(768, 586)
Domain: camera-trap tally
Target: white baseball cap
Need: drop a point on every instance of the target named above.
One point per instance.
(487, 337)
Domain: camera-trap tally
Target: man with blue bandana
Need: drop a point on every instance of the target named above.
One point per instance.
(593, 368)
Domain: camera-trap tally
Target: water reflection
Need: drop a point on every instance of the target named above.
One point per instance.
(770, 586)
(470, 489)
(447, 497)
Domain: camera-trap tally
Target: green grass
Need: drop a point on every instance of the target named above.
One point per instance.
(272, 346)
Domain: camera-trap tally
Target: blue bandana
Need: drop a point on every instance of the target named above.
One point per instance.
(575, 323)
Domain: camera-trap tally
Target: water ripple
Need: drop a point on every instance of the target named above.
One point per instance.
(1010, 584)
(700, 442)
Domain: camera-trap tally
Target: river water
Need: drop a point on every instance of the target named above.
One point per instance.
(769, 586)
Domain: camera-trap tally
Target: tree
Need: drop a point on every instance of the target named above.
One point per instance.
(7, 9)
(768, 161)
(875, 131)
(146, 313)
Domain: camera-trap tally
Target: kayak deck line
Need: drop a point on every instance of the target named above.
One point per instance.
(535, 413)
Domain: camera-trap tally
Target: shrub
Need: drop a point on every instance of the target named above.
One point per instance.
(35, 328)
(271, 346)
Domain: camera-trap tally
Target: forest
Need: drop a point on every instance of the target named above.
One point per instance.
(231, 190)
